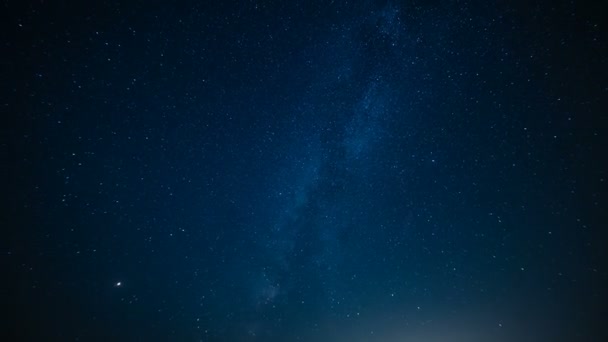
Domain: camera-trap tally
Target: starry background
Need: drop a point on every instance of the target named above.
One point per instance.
(304, 171)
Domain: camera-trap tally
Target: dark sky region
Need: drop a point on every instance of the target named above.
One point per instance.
(304, 171)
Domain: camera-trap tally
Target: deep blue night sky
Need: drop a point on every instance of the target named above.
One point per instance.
(304, 171)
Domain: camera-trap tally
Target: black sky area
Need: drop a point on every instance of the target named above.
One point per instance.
(304, 171)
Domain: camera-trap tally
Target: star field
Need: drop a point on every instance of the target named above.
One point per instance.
(304, 171)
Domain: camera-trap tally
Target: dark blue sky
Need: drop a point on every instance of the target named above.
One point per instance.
(304, 171)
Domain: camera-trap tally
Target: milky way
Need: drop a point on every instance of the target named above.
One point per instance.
(305, 171)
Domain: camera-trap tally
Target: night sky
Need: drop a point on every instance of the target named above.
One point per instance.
(304, 171)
